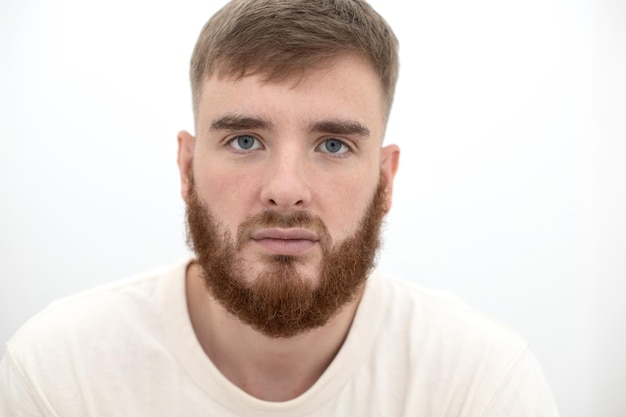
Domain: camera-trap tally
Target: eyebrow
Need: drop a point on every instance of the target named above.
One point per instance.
(331, 126)
(340, 127)
(239, 122)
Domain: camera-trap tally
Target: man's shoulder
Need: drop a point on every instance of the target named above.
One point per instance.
(445, 354)
(90, 344)
(443, 322)
(97, 312)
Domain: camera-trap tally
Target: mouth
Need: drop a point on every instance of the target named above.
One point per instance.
(292, 242)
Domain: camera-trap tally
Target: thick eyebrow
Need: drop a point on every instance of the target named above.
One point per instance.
(332, 126)
(340, 127)
(240, 122)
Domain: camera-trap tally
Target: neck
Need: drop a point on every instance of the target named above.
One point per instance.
(271, 369)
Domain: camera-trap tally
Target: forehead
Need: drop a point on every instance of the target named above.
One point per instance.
(345, 87)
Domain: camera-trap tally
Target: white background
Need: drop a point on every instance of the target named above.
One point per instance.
(511, 192)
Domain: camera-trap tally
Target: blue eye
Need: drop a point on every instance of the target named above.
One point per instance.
(334, 146)
(245, 143)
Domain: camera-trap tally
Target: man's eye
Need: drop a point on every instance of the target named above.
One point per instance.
(333, 146)
(245, 143)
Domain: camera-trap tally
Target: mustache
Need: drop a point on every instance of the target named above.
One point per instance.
(269, 219)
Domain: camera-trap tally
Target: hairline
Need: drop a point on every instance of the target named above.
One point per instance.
(226, 71)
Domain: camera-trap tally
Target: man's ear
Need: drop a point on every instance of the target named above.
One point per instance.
(186, 144)
(389, 160)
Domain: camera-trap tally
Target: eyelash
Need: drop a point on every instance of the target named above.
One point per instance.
(348, 149)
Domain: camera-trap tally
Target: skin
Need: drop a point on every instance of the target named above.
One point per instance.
(293, 126)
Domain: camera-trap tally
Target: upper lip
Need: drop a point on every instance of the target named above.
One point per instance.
(285, 234)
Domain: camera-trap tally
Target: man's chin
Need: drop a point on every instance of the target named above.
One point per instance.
(283, 269)
(306, 267)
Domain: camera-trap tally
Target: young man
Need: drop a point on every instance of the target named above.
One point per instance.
(286, 183)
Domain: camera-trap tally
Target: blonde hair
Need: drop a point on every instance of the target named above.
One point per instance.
(283, 38)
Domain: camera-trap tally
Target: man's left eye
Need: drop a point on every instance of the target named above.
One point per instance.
(333, 146)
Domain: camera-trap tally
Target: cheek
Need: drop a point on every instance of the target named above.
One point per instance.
(346, 203)
(229, 195)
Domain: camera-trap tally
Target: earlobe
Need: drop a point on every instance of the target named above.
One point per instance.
(389, 161)
(186, 144)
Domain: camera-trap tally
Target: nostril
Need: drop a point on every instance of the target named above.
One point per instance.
(284, 194)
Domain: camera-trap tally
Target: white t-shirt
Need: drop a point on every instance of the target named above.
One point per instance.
(129, 349)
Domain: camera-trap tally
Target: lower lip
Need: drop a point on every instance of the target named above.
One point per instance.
(291, 247)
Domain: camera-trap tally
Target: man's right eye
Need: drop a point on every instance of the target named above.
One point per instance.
(245, 143)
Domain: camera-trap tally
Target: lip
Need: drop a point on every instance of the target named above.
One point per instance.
(286, 234)
(293, 241)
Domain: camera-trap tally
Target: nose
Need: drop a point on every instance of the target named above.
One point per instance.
(286, 186)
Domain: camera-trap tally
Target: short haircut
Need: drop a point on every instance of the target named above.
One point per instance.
(283, 38)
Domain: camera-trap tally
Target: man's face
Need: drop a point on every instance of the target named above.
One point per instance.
(308, 152)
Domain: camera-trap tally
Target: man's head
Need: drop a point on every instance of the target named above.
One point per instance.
(286, 182)
(281, 39)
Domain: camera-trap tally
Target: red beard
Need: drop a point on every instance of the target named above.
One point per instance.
(280, 302)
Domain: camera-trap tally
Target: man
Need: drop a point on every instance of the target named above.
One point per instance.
(286, 183)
